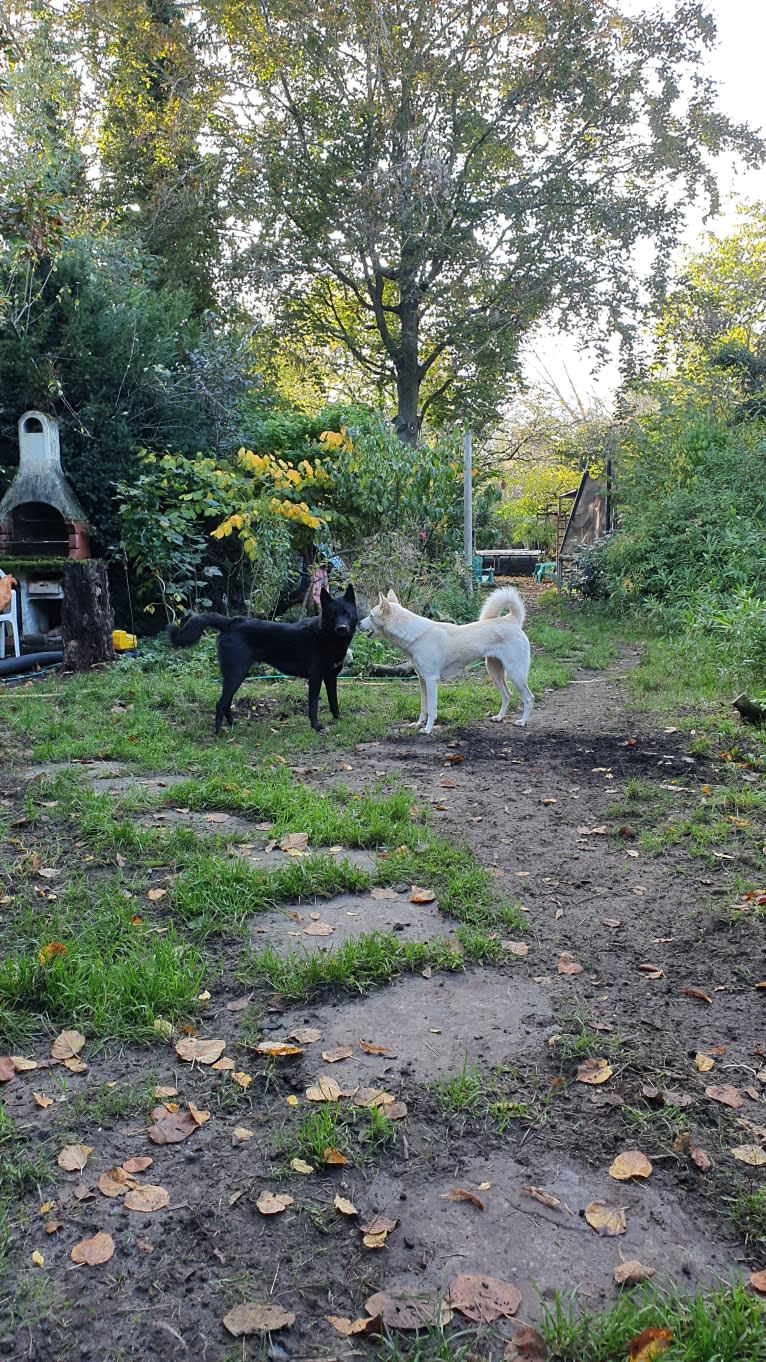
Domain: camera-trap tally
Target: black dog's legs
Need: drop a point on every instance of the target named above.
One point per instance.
(315, 685)
(234, 669)
(331, 686)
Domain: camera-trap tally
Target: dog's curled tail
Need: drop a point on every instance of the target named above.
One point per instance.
(505, 598)
(192, 629)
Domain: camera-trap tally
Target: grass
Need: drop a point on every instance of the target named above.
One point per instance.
(374, 958)
(498, 1099)
(18, 1172)
(749, 1216)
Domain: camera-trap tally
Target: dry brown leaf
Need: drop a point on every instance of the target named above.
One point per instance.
(196, 1050)
(725, 1093)
(339, 1053)
(171, 1127)
(41, 1100)
(395, 1111)
(604, 1219)
(461, 1194)
(519, 948)
(538, 1194)
(383, 895)
(567, 965)
(703, 1063)
(91, 1252)
(420, 895)
(73, 1157)
(631, 1164)
(240, 1134)
(527, 1345)
(631, 1273)
(594, 1071)
(67, 1044)
(147, 1198)
(318, 929)
(333, 1157)
(696, 993)
(380, 1224)
(139, 1164)
(306, 1035)
(294, 842)
(409, 1309)
(652, 971)
(348, 1327)
(758, 1282)
(649, 1344)
(240, 1004)
(300, 1166)
(324, 1090)
(345, 1206)
(242, 1079)
(251, 1318)
(271, 1203)
(278, 1049)
(163, 1091)
(22, 1065)
(38, 1259)
(115, 1182)
(75, 1065)
(374, 1241)
(155, 895)
(750, 1153)
(370, 1049)
(483, 1299)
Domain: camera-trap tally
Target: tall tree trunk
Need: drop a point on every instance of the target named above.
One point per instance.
(407, 369)
(86, 618)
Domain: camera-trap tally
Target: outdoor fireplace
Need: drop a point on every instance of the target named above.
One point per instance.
(41, 525)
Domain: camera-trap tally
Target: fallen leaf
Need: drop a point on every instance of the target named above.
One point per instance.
(50, 951)
(519, 948)
(278, 1049)
(333, 1157)
(725, 1093)
(749, 1153)
(395, 1111)
(594, 1071)
(324, 1090)
(460, 1194)
(243, 1080)
(73, 1157)
(758, 1282)
(154, 895)
(147, 1198)
(348, 1327)
(163, 1091)
(271, 1203)
(47, 1207)
(38, 1259)
(527, 1345)
(340, 1052)
(372, 1097)
(67, 1044)
(567, 965)
(240, 1004)
(344, 1206)
(538, 1194)
(380, 1224)
(75, 1065)
(7, 1067)
(606, 1220)
(418, 895)
(318, 929)
(409, 1309)
(306, 1035)
(374, 1049)
(383, 895)
(251, 1318)
(652, 971)
(171, 1127)
(240, 1134)
(91, 1252)
(115, 1182)
(483, 1299)
(300, 1166)
(195, 1050)
(697, 993)
(137, 1165)
(631, 1273)
(630, 1164)
(199, 1117)
(649, 1344)
(703, 1063)
(294, 843)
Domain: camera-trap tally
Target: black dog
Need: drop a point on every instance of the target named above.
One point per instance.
(314, 647)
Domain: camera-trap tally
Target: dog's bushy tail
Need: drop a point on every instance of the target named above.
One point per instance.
(505, 598)
(192, 629)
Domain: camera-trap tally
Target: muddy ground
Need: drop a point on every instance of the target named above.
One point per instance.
(537, 807)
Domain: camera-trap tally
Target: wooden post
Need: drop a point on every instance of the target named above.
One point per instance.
(86, 618)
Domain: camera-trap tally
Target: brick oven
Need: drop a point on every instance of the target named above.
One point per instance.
(41, 525)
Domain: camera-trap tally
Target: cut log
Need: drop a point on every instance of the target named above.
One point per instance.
(752, 711)
(86, 618)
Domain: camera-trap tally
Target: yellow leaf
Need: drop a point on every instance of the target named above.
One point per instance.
(37, 1259)
(631, 1164)
(605, 1220)
(300, 1166)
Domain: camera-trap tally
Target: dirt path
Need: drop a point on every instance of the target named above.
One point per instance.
(537, 807)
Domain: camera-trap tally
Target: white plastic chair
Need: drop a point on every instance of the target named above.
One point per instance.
(9, 618)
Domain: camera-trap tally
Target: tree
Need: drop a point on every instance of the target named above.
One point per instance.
(430, 178)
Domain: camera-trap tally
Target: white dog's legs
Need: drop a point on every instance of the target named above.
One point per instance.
(423, 706)
(430, 684)
(519, 679)
(497, 672)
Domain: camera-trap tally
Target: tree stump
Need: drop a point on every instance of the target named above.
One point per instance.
(86, 618)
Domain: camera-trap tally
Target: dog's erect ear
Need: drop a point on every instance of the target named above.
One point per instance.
(349, 593)
(325, 596)
(392, 596)
(384, 605)
(381, 598)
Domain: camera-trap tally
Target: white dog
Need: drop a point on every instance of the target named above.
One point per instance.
(439, 650)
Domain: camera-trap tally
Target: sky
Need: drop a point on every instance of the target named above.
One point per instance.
(738, 65)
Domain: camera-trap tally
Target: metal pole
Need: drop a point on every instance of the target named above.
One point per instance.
(468, 499)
